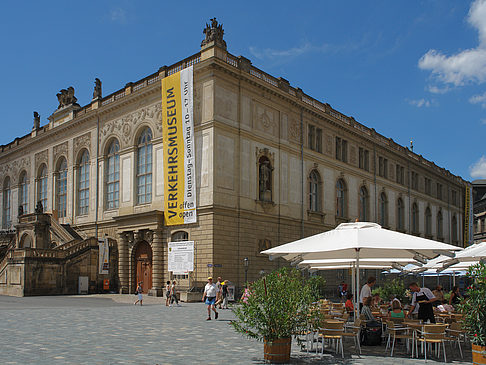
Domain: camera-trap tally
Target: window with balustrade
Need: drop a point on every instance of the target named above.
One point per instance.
(315, 191)
(23, 192)
(363, 204)
(7, 201)
(61, 187)
(144, 167)
(83, 183)
(341, 198)
(42, 186)
(112, 173)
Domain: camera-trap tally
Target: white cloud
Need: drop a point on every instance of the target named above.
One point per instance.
(291, 52)
(478, 169)
(118, 15)
(478, 99)
(483, 121)
(419, 103)
(438, 90)
(466, 66)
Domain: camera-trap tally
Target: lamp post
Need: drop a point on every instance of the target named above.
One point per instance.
(245, 261)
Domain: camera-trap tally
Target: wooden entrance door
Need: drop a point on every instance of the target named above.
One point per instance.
(143, 264)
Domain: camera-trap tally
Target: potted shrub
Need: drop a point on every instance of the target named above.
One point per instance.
(394, 288)
(474, 312)
(277, 308)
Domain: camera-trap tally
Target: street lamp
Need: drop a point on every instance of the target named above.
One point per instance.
(245, 261)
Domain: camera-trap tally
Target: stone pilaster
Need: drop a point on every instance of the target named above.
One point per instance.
(157, 264)
(123, 268)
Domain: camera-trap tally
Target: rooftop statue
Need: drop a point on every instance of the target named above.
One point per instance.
(36, 121)
(97, 89)
(66, 97)
(213, 32)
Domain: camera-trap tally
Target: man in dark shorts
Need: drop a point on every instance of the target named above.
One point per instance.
(209, 297)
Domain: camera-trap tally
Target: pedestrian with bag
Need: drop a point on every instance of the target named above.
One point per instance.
(138, 293)
(173, 294)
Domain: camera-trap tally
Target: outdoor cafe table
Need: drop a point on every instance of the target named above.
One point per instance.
(415, 327)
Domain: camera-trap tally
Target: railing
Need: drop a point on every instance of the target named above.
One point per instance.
(60, 231)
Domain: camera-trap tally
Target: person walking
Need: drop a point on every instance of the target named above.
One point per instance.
(138, 292)
(366, 291)
(425, 298)
(224, 293)
(173, 294)
(219, 297)
(167, 293)
(209, 297)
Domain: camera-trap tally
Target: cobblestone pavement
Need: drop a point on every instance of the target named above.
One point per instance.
(109, 329)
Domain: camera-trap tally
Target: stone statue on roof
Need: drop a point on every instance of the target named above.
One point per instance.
(66, 97)
(214, 33)
(97, 89)
(36, 121)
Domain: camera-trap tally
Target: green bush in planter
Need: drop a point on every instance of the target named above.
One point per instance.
(392, 288)
(278, 305)
(474, 307)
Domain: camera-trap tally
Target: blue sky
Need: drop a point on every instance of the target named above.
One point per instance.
(410, 69)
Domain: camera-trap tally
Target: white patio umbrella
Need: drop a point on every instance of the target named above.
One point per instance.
(360, 240)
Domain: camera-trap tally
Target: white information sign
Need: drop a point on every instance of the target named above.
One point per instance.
(181, 257)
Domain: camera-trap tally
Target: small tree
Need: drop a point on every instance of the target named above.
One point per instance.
(474, 306)
(392, 288)
(277, 306)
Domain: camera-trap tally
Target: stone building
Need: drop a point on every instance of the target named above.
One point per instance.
(479, 204)
(273, 165)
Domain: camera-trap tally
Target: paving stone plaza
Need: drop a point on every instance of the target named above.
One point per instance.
(109, 329)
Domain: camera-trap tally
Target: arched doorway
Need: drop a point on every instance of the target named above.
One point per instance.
(143, 265)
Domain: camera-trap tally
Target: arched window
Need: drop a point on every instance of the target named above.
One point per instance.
(83, 184)
(383, 210)
(61, 188)
(144, 167)
(400, 215)
(23, 192)
(179, 236)
(363, 204)
(428, 222)
(314, 191)
(113, 175)
(454, 228)
(265, 179)
(415, 218)
(42, 186)
(440, 225)
(340, 199)
(7, 217)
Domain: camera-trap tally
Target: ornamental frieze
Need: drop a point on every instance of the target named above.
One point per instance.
(125, 127)
(40, 158)
(60, 150)
(82, 142)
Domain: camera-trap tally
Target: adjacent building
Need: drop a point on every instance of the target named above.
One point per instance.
(273, 165)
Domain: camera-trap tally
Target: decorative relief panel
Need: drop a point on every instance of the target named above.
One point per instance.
(60, 150)
(14, 168)
(294, 131)
(265, 119)
(328, 144)
(40, 158)
(82, 142)
(225, 101)
(125, 127)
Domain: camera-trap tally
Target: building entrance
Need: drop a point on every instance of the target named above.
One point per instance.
(143, 265)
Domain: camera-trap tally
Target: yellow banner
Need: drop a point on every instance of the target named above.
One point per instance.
(178, 140)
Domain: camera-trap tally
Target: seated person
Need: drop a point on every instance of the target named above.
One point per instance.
(366, 310)
(397, 311)
(439, 294)
(376, 301)
(349, 303)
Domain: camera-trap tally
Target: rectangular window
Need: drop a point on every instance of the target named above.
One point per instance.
(345, 151)
(414, 181)
(311, 137)
(454, 197)
(400, 174)
(383, 167)
(319, 140)
(338, 148)
(364, 159)
(428, 186)
(439, 191)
